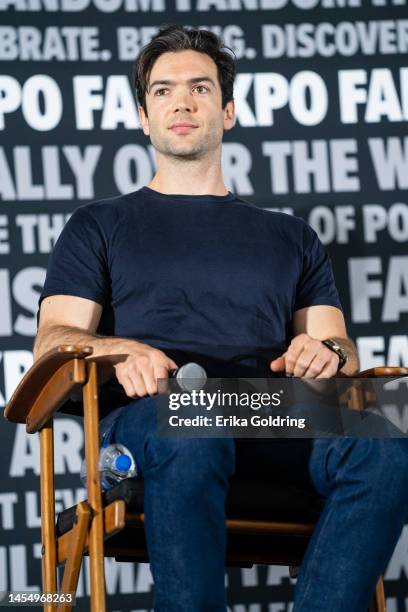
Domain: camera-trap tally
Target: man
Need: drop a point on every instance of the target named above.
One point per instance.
(183, 266)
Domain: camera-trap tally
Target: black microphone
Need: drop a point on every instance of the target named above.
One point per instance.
(190, 377)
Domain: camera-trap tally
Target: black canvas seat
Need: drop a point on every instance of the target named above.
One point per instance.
(288, 507)
(247, 498)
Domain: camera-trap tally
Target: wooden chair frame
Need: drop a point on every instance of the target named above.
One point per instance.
(44, 388)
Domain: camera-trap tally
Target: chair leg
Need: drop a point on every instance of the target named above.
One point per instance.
(96, 534)
(380, 595)
(74, 559)
(49, 550)
(379, 604)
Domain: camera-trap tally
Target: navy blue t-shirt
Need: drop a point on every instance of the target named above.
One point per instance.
(209, 274)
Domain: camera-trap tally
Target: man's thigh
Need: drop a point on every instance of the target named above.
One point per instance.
(284, 460)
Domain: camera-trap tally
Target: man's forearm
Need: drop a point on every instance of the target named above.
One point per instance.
(54, 335)
(136, 366)
(352, 365)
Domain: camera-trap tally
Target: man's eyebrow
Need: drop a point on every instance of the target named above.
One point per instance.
(200, 79)
(190, 81)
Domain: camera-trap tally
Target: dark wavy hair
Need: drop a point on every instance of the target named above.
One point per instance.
(180, 38)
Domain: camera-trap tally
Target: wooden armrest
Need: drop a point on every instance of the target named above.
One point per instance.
(49, 381)
(363, 392)
(383, 372)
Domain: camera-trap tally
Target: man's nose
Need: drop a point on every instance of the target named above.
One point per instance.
(185, 102)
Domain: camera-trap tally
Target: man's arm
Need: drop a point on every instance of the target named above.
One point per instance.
(73, 320)
(306, 355)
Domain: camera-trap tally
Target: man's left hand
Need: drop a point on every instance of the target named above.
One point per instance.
(308, 358)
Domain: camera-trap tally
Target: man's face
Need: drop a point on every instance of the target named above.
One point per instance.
(185, 115)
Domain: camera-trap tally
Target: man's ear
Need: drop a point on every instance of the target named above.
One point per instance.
(144, 121)
(229, 115)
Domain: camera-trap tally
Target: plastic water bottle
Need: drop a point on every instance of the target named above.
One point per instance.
(116, 463)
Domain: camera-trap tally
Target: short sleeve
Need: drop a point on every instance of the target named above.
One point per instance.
(316, 283)
(78, 264)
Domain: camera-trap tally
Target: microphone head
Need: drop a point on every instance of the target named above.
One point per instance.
(191, 377)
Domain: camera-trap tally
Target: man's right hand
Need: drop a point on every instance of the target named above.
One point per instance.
(66, 319)
(139, 372)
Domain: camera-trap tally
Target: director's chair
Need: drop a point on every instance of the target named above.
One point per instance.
(265, 525)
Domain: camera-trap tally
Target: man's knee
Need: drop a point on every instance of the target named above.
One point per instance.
(385, 465)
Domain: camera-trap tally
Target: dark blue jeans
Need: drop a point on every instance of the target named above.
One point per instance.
(365, 483)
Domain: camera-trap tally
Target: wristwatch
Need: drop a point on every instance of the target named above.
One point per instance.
(336, 348)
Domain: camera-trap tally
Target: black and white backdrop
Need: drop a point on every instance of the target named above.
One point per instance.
(322, 111)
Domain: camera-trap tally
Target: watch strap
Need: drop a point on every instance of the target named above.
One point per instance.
(336, 348)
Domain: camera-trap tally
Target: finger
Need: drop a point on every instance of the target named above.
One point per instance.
(278, 364)
(172, 365)
(330, 369)
(149, 379)
(297, 360)
(305, 359)
(138, 384)
(161, 374)
(128, 386)
(316, 366)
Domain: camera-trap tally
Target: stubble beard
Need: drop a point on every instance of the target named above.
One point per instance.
(183, 151)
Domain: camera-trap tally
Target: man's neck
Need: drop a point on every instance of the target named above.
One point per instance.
(192, 177)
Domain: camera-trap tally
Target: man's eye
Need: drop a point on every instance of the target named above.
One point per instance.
(161, 91)
(201, 89)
